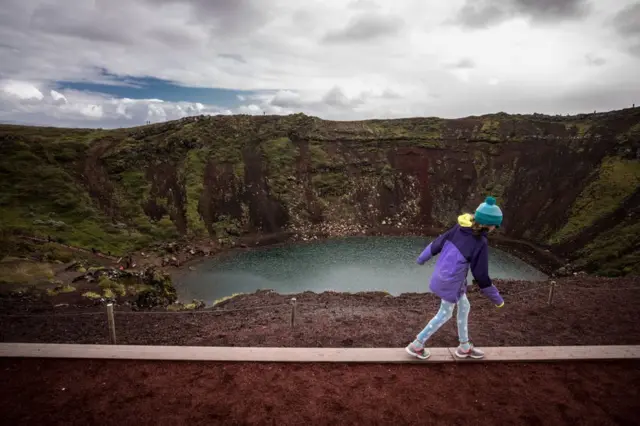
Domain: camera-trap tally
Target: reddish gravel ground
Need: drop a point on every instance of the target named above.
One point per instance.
(586, 311)
(82, 392)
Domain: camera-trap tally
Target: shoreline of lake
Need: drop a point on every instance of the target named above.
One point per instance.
(369, 264)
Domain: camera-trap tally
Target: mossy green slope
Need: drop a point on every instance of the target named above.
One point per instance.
(223, 177)
(615, 181)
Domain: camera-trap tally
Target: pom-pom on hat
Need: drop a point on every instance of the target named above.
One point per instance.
(488, 213)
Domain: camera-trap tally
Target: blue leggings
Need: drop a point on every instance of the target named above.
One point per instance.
(444, 314)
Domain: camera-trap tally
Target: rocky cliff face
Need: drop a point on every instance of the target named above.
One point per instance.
(567, 182)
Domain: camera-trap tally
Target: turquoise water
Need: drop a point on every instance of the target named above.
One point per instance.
(349, 264)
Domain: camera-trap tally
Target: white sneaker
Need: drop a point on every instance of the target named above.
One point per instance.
(417, 351)
(472, 352)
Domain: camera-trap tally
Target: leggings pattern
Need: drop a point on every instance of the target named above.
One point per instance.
(444, 314)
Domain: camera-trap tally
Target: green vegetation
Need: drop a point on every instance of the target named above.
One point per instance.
(580, 129)
(165, 229)
(126, 189)
(226, 227)
(632, 135)
(319, 158)
(280, 157)
(41, 194)
(225, 298)
(160, 290)
(616, 180)
(91, 295)
(136, 289)
(228, 154)
(194, 166)
(423, 128)
(60, 289)
(25, 272)
(480, 162)
(133, 191)
(330, 184)
(490, 130)
(52, 252)
(195, 304)
(107, 284)
(490, 179)
(612, 252)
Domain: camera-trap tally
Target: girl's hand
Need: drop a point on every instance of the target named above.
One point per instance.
(493, 294)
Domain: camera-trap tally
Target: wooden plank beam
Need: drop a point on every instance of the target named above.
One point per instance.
(341, 355)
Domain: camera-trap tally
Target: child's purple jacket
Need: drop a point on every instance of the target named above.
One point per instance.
(460, 250)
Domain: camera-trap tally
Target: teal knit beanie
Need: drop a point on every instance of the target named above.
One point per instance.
(488, 213)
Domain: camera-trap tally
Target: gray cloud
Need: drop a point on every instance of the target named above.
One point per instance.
(390, 94)
(366, 27)
(627, 21)
(88, 24)
(233, 57)
(14, 14)
(334, 102)
(172, 37)
(485, 13)
(287, 99)
(627, 24)
(363, 4)
(552, 10)
(594, 61)
(231, 17)
(464, 63)
(28, 104)
(314, 58)
(336, 98)
(474, 15)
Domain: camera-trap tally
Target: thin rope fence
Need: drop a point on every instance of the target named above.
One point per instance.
(208, 311)
(527, 291)
(575, 287)
(290, 305)
(52, 314)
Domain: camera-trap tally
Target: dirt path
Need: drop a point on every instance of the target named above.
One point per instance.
(75, 392)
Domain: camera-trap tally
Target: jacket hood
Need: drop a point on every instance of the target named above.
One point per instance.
(465, 220)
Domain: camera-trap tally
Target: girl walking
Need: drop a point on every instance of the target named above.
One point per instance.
(461, 248)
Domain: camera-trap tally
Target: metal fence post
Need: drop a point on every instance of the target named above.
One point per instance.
(552, 291)
(293, 311)
(112, 323)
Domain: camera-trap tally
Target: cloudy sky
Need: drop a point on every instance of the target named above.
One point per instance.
(111, 63)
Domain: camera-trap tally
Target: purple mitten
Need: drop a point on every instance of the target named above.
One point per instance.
(493, 294)
(424, 256)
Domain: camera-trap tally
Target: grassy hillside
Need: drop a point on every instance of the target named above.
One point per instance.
(571, 182)
(43, 190)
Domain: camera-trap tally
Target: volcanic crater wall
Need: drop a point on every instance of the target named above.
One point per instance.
(567, 182)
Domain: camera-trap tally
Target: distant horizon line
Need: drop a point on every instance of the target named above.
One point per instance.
(533, 114)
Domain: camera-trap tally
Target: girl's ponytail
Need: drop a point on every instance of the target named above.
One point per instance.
(478, 229)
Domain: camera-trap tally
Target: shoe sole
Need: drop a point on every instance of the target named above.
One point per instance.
(413, 354)
(464, 356)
